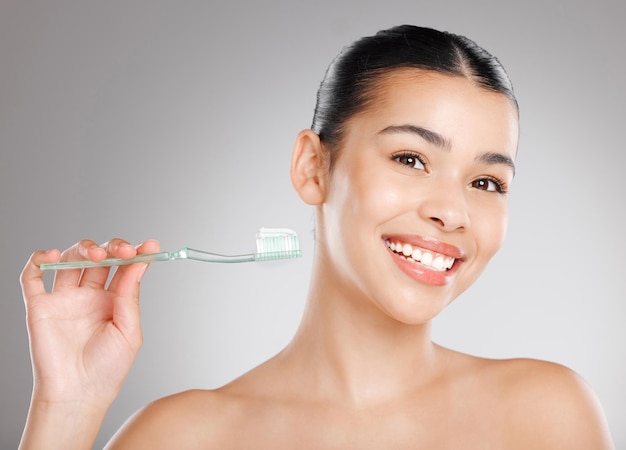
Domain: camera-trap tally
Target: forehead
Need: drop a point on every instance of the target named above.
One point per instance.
(456, 107)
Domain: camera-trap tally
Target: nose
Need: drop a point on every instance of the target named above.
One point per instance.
(446, 206)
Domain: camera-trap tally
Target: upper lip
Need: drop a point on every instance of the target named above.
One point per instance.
(427, 243)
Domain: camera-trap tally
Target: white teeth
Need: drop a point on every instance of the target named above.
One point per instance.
(427, 259)
(435, 261)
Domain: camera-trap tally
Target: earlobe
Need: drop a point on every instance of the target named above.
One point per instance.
(308, 168)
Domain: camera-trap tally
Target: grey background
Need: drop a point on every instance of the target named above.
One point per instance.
(175, 120)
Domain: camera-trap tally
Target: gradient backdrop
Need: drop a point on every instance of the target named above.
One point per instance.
(175, 120)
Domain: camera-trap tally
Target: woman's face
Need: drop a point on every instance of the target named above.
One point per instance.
(416, 203)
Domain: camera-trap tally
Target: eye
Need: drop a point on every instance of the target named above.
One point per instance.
(489, 184)
(412, 160)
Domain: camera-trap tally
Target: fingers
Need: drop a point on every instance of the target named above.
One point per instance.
(95, 277)
(85, 249)
(126, 278)
(116, 248)
(31, 278)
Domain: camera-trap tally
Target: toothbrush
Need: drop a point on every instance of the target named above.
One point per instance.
(271, 243)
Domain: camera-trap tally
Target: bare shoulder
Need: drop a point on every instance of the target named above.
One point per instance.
(550, 406)
(190, 419)
(202, 419)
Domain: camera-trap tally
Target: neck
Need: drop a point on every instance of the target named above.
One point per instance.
(352, 350)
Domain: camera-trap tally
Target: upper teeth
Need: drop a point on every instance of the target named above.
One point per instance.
(432, 260)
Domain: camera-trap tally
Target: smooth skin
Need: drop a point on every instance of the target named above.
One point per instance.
(83, 340)
(361, 371)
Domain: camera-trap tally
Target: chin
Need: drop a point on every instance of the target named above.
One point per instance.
(416, 311)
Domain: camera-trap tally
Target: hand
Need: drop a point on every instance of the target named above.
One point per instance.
(83, 334)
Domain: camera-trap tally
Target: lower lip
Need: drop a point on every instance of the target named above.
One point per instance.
(423, 274)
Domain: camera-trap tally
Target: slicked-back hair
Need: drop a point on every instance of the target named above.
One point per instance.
(351, 79)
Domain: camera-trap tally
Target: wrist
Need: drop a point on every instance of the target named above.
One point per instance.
(62, 424)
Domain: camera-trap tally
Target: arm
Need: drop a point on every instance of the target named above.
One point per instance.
(83, 338)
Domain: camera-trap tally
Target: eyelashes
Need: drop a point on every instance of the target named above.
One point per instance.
(415, 161)
(490, 184)
(410, 159)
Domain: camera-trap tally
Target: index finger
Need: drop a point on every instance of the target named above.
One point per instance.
(31, 278)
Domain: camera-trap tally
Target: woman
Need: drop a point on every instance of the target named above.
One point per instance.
(408, 164)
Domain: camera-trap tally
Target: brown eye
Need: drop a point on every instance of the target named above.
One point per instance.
(411, 160)
(487, 184)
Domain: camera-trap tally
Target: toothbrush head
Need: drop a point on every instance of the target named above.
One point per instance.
(276, 243)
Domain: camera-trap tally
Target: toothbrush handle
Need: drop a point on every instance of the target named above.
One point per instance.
(150, 257)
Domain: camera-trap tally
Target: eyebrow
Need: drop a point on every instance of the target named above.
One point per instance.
(428, 135)
(442, 142)
(496, 158)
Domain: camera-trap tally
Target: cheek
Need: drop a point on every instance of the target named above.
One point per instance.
(378, 201)
(366, 194)
(380, 196)
(490, 228)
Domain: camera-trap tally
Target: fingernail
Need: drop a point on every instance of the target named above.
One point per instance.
(84, 251)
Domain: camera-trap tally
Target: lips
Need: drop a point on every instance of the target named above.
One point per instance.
(432, 260)
(424, 259)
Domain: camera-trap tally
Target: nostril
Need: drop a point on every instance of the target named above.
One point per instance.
(449, 212)
(437, 220)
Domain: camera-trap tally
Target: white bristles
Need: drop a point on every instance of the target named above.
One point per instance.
(276, 243)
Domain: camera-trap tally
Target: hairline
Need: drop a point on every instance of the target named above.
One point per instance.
(374, 82)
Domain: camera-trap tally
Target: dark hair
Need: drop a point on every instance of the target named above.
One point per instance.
(351, 78)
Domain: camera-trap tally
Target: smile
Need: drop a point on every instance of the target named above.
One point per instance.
(432, 260)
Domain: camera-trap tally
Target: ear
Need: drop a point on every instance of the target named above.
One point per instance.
(309, 168)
